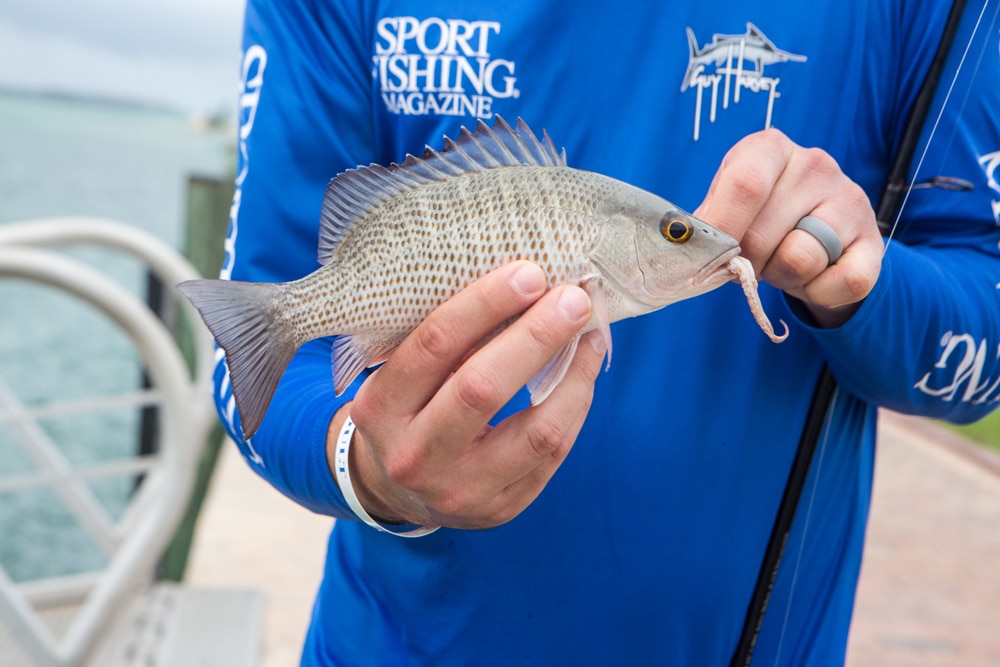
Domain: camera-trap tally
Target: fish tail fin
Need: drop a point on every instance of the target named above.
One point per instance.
(258, 342)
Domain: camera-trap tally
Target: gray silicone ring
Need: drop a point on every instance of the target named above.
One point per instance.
(823, 233)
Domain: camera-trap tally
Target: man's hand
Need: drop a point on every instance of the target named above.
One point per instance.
(424, 451)
(765, 185)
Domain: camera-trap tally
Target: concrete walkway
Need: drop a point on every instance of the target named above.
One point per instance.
(930, 587)
(251, 536)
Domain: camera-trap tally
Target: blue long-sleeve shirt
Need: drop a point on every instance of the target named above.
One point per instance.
(645, 546)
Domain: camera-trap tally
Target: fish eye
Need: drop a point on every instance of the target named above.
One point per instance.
(676, 230)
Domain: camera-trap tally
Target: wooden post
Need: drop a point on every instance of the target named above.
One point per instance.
(208, 205)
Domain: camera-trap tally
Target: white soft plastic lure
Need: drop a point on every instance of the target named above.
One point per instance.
(742, 269)
(395, 242)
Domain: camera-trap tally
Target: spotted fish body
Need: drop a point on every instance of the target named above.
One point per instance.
(427, 246)
(397, 241)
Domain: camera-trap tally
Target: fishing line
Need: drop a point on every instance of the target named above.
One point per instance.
(968, 90)
(937, 121)
(888, 199)
(817, 420)
(805, 529)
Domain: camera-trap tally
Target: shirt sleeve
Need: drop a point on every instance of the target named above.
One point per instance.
(927, 339)
(305, 116)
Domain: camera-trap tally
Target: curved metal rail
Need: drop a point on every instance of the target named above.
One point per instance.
(136, 542)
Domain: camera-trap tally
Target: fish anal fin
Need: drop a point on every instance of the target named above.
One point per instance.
(353, 354)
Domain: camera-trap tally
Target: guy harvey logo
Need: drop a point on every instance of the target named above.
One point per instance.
(440, 67)
(731, 67)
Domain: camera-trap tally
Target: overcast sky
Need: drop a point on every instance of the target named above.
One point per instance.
(179, 53)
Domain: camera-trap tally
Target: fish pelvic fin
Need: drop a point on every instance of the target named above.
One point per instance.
(354, 193)
(599, 318)
(259, 344)
(552, 373)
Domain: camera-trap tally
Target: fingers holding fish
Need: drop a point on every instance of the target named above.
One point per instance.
(837, 292)
(425, 358)
(801, 264)
(493, 374)
(765, 186)
(742, 187)
(477, 476)
(436, 459)
(540, 438)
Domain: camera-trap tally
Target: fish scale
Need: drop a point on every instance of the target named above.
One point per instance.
(497, 226)
(396, 242)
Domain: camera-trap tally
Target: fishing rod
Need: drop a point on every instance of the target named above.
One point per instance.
(886, 211)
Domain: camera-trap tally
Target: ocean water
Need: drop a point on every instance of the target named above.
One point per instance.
(63, 157)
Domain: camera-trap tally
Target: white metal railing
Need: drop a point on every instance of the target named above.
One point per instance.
(134, 543)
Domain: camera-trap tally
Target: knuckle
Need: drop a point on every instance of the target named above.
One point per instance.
(587, 400)
(363, 412)
(769, 145)
(474, 391)
(858, 284)
(797, 262)
(818, 161)
(506, 505)
(749, 186)
(435, 339)
(545, 438)
(452, 503)
(859, 207)
(503, 514)
(404, 469)
(753, 243)
(772, 136)
(546, 331)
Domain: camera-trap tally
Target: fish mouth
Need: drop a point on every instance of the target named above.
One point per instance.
(714, 271)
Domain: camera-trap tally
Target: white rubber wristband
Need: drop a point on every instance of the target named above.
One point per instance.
(344, 482)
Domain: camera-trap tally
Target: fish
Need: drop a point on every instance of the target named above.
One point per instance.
(396, 242)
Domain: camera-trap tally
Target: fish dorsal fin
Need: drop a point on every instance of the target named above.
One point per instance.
(355, 192)
(754, 31)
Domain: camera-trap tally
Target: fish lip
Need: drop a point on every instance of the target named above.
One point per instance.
(716, 267)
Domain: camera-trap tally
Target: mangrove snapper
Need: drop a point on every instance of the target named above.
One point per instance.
(395, 242)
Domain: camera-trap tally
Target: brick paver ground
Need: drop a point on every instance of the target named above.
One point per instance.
(929, 594)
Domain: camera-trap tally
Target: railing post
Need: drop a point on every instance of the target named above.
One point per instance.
(208, 204)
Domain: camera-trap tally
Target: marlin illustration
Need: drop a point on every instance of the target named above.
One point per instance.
(753, 46)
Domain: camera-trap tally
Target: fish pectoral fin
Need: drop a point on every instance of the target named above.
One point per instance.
(599, 313)
(353, 354)
(552, 373)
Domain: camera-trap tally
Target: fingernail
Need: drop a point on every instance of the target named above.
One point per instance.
(574, 303)
(528, 279)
